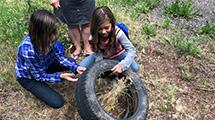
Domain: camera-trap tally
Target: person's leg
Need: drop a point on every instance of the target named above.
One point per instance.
(134, 65)
(88, 61)
(43, 92)
(75, 35)
(85, 37)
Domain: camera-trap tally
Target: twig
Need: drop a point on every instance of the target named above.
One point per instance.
(205, 89)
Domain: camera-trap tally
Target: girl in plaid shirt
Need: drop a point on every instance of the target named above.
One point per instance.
(41, 59)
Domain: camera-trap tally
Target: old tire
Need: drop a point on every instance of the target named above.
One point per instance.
(88, 105)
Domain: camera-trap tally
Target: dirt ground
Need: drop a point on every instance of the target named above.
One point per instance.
(171, 97)
(191, 100)
(160, 73)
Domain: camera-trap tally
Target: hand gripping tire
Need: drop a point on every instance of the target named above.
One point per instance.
(88, 104)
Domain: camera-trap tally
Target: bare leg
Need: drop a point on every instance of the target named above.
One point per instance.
(75, 35)
(85, 36)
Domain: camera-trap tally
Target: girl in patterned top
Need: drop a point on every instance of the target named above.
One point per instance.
(41, 59)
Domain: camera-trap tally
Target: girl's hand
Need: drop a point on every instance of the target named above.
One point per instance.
(80, 69)
(68, 76)
(117, 69)
(55, 3)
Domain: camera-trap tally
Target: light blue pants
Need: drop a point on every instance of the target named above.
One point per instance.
(89, 60)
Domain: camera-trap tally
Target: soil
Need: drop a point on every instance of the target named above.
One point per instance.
(171, 96)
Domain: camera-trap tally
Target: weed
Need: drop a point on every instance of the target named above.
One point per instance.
(127, 2)
(149, 30)
(102, 2)
(185, 46)
(166, 23)
(207, 29)
(188, 47)
(185, 72)
(133, 14)
(169, 98)
(159, 51)
(181, 9)
(146, 5)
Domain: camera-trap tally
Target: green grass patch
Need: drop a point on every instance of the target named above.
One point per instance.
(166, 23)
(187, 47)
(149, 30)
(184, 46)
(127, 2)
(181, 9)
(103, 2)
(12, 22)
(14, 18)
(207, 29)
(146, 5)
(143, 6)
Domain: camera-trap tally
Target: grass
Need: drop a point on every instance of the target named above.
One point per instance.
(126, 3)
(148, 30)
(146, 5)
(110, 99)
(169, 98)
(181, 9)
(184, 46)
(185, 72)
(166, 23)
(164, 94)
(143, 6)
(11, 22)
(207, 29)
(7, 74)
(187, 47)
(112, 96)
(14, 19)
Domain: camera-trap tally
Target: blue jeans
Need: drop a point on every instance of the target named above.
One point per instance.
(42, 90)
(90, 60)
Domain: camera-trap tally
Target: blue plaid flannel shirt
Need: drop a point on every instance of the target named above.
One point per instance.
(32, 65)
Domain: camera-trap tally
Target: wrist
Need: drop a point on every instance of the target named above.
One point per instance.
(61, 75)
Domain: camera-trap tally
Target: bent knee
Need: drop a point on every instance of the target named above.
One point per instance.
(57, 103)
(135, 68)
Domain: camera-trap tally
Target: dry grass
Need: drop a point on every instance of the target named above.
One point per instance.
(170, 97)
(110, 97)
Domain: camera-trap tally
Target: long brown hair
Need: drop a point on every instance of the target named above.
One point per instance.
(100, 15)
(42, 26)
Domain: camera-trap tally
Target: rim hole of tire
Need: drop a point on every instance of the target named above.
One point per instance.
(116, 94)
